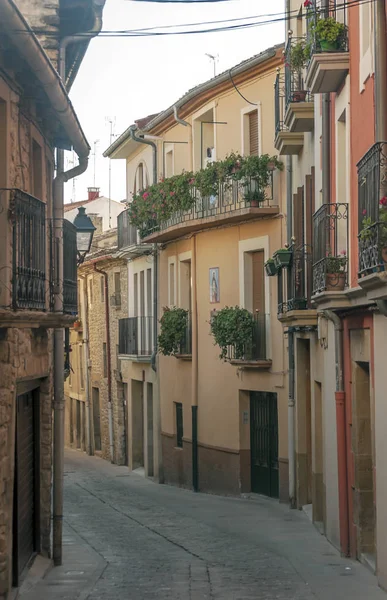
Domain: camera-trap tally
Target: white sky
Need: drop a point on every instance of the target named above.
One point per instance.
(129, 78)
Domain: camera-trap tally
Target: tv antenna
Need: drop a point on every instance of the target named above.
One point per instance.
(214, 58)
(111, 121)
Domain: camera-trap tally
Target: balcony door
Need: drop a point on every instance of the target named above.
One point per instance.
(258, 287)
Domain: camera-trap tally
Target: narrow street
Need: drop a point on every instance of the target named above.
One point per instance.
(126, 537)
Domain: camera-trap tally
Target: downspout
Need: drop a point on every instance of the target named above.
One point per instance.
(58, 201)
(108, 357)
(85, 321)
(326, 133)
(380, 71)
(291, 399)
(195, 462)
(185, 124)
(341, 431)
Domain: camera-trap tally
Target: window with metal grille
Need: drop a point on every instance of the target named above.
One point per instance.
(104, 358)
(179, 424)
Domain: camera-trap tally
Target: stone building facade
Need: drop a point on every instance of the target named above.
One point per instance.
(94, 391)
(35, 112)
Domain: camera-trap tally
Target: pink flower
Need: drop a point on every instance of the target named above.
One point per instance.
(172, 193)
(307, 3)
(364, 212)
(145, 195)
(383, 201)
(343, 252)
(191, 181)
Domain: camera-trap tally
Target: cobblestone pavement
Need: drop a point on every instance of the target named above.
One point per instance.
(160, 542)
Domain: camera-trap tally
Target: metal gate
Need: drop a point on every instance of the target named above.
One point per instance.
(264, 443)
(25, 485)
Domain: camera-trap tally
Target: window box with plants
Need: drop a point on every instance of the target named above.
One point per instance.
(232, 328)
(174, 325)
(270, 268)
(335, 272)
(299, 56)
(282, 257)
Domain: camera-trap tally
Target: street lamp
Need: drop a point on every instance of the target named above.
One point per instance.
(85, 232)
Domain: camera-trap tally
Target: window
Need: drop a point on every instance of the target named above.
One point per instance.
(102, 283)
(140, 179)
(81, 373)
(142, 294)
(149, 292)
(37, 170)
(171, 287)
(135, 294)
(90, 282)
(169, 164)
(179, 424)
(117, 288)
(104, 359)
(253, 133)
(185, 281)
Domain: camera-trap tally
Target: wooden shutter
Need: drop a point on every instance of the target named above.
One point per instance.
(298, 204)
(258, 282)
(253, 132)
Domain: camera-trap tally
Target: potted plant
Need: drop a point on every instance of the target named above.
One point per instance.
(173, 327)
(271, 269)
(335, 271)
(282, 257)
(233, 327)
(330, 34)
(78, 325)
(299, 56)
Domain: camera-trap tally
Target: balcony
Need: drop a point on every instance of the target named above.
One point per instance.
(254, 354)
(28, 252)
(286, 142)
(230, 205)
(295, 289)
(129, 241)
(299, 104)
(70, 280)
(330, 252)
(135, 338)
(372, 217)
(329, 63)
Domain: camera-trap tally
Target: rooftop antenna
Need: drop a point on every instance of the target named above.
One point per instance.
(112, 122)
(71, 162)
(214, 58)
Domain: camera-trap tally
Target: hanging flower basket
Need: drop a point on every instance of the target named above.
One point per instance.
(270, 267)
(78, 325)
(282, 258)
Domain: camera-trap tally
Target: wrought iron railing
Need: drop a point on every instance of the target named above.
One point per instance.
(232, 196)
(28, 215)
(333, 11)
(135, 336)
(255, 349)
(280, 103)
(70, 295)
(295, 281)
(295, 88)
(330, 250)
(126, 232)
(186, 342)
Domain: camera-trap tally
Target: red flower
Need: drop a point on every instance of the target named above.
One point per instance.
(383, 201)
(145, 195)
(172, 193)
(307, 3)
(364, 212)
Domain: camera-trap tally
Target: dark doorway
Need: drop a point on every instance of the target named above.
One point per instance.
(96, 420)
(26, 483)
(264, 443)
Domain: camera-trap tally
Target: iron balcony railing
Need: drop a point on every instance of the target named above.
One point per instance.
(135, 336)
(314, 13)
(255, 349)
(28, 215)
(295, 88)
(186, 342)
(70, 293)
(232, 196)
(372, 205)
(330, 251)
(295, 282)
(280, 103)
(126, 232)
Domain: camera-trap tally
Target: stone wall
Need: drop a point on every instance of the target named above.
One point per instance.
(25, 355)
(43, 17)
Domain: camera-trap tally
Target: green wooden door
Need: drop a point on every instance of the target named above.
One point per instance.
(264, 443)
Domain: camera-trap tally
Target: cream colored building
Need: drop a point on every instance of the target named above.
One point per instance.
(223, 425)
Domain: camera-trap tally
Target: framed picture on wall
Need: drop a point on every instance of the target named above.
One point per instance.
(214, 285)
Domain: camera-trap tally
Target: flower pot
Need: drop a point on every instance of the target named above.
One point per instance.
(335, 282)
(270, 268)
(282, 258)
(299, 96)
(329, 46)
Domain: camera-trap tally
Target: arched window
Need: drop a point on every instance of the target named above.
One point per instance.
(141, 178)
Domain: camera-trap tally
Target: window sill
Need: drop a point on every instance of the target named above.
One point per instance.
(184, 356)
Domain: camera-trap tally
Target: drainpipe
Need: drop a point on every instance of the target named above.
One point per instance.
(380, 71)
(185, 124)
(58, 201)
(341, 432)
(109, 362)
(195, 462)
(326, 133)
(85, 321)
